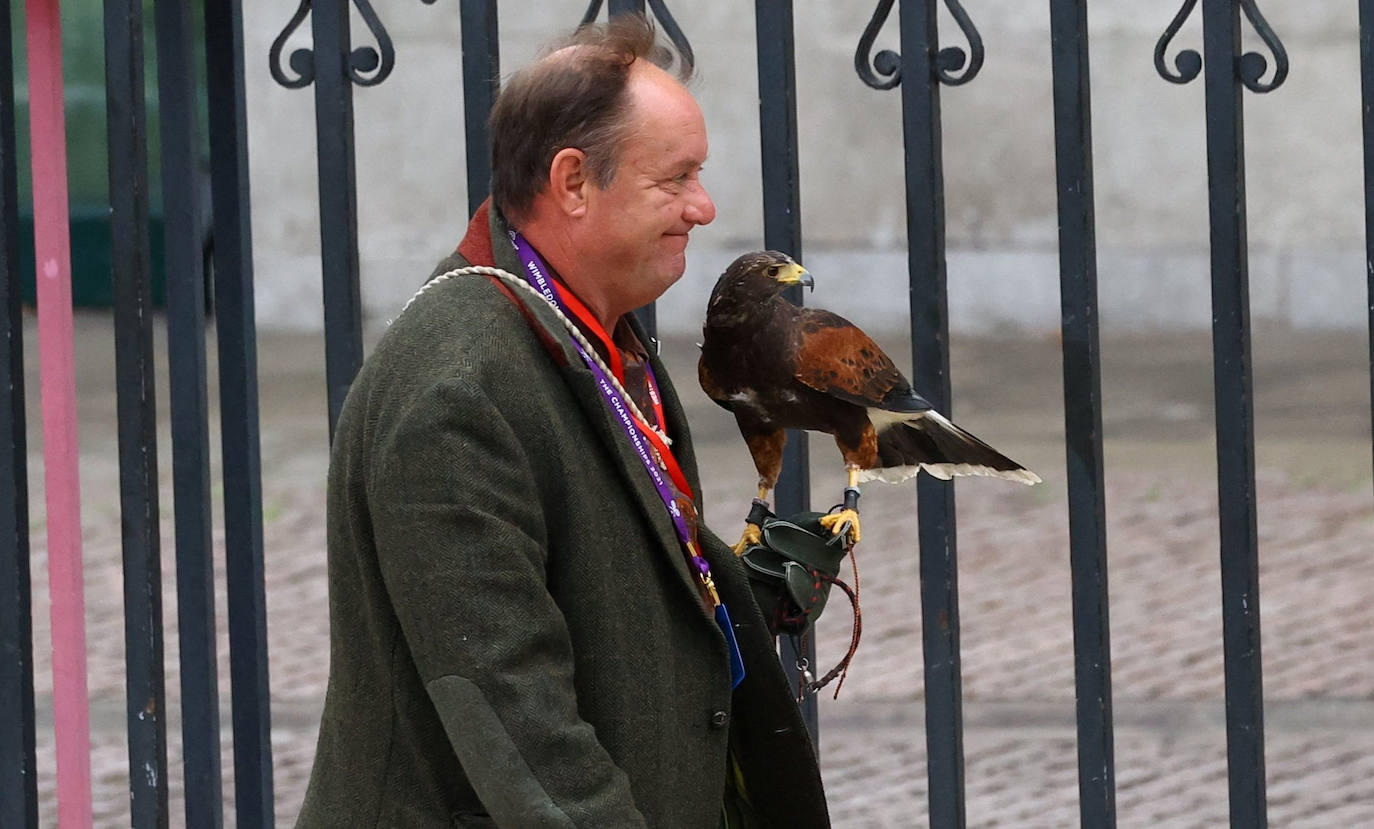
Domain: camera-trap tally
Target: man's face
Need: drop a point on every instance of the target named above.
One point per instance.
(642, 219)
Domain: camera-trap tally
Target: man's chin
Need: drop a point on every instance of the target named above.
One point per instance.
(674, 272)
(665, 277)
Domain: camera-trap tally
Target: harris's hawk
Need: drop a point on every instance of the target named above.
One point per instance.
(778, 366)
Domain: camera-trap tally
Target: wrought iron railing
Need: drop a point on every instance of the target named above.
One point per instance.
(920, 69)
(1227, 70)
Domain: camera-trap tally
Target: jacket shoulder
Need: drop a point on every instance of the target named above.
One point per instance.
(459, 332)
(454, 321)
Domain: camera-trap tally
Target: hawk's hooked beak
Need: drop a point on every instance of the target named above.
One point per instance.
(794, 274)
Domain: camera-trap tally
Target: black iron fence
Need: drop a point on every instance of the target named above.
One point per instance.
(333, 65)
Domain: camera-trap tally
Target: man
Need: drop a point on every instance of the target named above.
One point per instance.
(526, 622)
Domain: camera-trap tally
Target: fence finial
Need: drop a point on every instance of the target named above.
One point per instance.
(665, 19)
(1251, 66)
(366, 66)
(888, 64)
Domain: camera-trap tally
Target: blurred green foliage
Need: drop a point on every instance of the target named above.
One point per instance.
(83, 57)
(83, 71)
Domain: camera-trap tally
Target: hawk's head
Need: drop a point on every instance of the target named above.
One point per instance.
(755, 278)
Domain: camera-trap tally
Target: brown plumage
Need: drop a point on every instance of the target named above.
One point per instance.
(776, 366)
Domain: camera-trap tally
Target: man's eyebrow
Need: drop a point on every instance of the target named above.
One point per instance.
(682, 166)
(689, 165)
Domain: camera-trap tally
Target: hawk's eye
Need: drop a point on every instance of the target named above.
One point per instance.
(773, 271)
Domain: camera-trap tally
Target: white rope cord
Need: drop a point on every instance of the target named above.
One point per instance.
(513, 280)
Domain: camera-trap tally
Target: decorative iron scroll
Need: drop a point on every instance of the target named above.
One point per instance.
(665, 19)
(302, 61)
(887, 63)
(1251, 66)
(366, 66)
(1188, 62)
(885, 72)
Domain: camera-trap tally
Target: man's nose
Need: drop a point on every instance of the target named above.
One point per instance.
(700, 209)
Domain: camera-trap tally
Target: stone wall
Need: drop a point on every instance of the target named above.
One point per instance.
(1303, 141)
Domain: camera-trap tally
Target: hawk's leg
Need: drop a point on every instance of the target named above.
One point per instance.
(753, 532)
(847, 519)
(766, 449)
(859, 447)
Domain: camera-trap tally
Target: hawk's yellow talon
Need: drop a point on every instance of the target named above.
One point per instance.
(837, 522)
(752, 535)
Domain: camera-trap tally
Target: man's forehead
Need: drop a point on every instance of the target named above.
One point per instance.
(656, 96)
(663, 147)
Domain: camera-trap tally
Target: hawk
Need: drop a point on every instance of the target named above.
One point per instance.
(778, 366)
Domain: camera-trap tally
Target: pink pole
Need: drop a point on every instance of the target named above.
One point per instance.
(52, 246)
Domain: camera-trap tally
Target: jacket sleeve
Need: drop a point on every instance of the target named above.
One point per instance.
(460, 535)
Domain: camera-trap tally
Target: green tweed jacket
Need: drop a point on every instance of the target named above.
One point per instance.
(516, 640)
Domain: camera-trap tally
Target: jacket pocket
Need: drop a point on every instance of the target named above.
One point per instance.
(473, 820)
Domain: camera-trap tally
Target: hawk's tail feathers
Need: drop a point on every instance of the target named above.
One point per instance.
(927, 440)
(945, 471)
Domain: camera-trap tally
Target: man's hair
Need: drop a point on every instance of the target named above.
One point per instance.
(574, 96)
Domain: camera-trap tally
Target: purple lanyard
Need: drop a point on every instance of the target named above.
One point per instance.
(536, 272)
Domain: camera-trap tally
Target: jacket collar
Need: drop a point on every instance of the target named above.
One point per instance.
(476, 244)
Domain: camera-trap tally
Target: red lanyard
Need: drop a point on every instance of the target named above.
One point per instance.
(617, 365)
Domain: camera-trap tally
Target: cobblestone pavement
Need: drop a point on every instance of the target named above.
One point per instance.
(1316, 527)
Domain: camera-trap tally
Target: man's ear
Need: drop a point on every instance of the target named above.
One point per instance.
(568, 181)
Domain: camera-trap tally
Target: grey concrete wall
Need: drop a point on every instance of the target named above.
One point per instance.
(1303, 142)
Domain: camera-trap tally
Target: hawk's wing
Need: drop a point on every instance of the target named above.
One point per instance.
(834, 356)
(710, 386)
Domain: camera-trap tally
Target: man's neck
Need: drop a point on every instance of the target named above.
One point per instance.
(557, 251)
